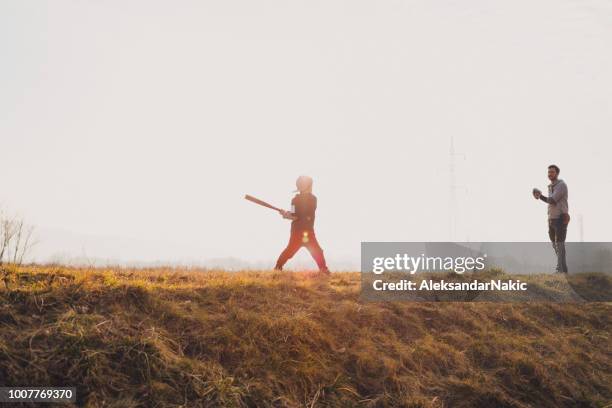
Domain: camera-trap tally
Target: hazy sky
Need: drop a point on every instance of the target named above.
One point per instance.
(144, 123)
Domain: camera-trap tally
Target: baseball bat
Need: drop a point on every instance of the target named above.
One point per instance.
(261, 202)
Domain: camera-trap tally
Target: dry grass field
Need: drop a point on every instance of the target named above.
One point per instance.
(172, 337)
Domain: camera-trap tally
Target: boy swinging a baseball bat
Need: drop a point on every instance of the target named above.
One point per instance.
(302, 216)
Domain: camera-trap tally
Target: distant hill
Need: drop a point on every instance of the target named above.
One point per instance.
(59, 246)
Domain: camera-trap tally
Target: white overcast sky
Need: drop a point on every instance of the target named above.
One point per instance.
(141, 124)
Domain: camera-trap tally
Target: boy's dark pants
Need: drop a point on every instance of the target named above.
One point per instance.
(297, 240)
(557, 230)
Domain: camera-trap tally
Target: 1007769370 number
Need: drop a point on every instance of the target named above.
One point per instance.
(37, 394)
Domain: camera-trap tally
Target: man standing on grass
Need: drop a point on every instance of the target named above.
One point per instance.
(302, 216)
(558, 215)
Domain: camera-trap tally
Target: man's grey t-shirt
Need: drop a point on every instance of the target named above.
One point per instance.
(558, 192)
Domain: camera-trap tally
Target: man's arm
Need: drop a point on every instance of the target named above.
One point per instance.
(537, 194)
(548, 200)
(558, 194)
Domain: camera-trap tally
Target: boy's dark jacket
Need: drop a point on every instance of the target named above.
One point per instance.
(304, 205)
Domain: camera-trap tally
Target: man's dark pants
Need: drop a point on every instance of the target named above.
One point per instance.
(557, 230)
(298, 239)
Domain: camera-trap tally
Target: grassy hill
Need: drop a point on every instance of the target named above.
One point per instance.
(166, 337)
